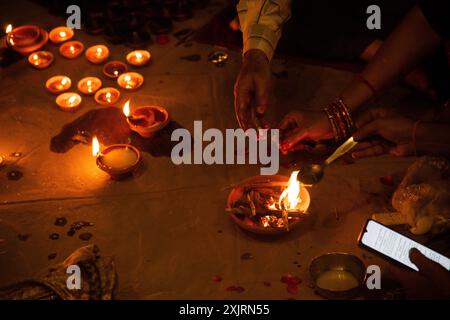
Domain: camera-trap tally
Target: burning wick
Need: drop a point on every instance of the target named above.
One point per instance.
(99, 52)
(36, 59)
(61, 85)
(89, 85)
(63, 34)
(95, 146)
(9, 29)
(138, 56)
(72, 49)
(116, 73)
(128, 82)
(108, 97)
(140, 120)
(71, 100)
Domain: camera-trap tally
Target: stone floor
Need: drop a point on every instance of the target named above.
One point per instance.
(166, 227)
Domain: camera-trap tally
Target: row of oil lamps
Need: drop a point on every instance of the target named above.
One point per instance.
(24, 37)
(118, 160)
(71, 101)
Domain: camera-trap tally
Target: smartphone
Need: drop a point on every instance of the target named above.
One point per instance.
(396, 246)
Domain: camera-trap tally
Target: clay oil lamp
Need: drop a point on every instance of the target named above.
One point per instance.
(138, 58)
(26, 39)
(61, 34)
(58, 84)
(114, 69)
(269, 205)
(41, 59)
(71, 49)
(24, 36)
(107, 96)
(146, 121)
(130, 80)
(117, 160)
(69, 101)
(97, 54)
(89, 85)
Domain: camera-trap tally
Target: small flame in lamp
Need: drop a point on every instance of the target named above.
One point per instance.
(290, 197)
(95, 147)
(9, 28)
(126, 109)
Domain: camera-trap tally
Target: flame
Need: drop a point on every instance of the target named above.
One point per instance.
(9, 28)
(108, 96)
(63, 34)
(126, 109)
(72, 49)
(35, 57)
(72, 100)
(116, 73)
(138, 55)
(64, 81)
(127, 78)
(290, 198)
(99, 52)
(95, 146)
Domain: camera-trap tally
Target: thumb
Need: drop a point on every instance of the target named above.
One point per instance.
(426, 266)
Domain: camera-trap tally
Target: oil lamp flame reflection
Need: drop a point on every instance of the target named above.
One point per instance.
(95, 146)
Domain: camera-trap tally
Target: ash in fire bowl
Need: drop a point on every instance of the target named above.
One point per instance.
(269, 205)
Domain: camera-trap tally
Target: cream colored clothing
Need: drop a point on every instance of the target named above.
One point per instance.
(261, 23)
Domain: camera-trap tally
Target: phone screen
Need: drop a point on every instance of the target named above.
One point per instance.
(396, 245)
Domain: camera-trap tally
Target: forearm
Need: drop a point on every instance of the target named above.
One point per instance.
(433, 138)
(407, 45)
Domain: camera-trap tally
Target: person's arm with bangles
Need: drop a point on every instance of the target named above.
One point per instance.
(407, 45)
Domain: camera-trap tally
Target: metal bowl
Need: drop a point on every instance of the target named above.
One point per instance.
(341, 263)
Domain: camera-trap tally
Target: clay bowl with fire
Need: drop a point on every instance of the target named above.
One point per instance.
(269, 205)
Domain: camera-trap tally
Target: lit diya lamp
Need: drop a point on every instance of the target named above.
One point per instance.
(23, 36)
(61, 34)
(138, 58)
(118, 160)
(89, 85)
(269, 205)
(58, 84)
(130, 80)
(107, 96)
(41, 59)
(97, 54)
(146, 121)
(71, 49)
(69, 101)
(114, 69)
(26, 39)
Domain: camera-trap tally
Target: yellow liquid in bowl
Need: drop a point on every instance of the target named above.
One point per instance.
(337, 280)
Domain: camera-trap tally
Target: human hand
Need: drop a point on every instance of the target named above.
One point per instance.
(297, 126)
(382, 131)
(251, 90)
(432, 280)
